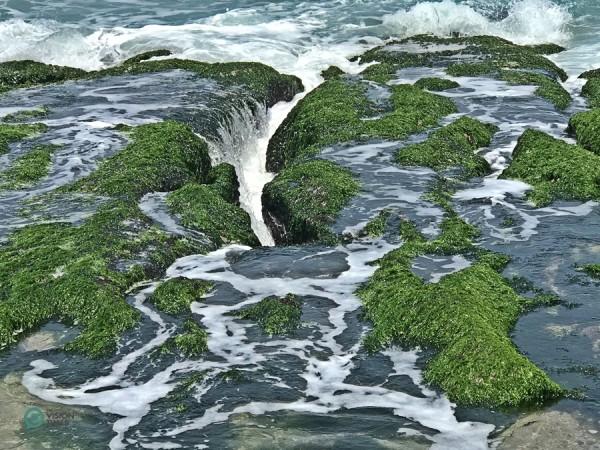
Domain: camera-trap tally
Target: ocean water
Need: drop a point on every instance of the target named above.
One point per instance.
(318, 388)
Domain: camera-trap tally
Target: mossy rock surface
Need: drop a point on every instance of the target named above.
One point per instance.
(303, 201)
(28, 169)
(161, 157)
(202, 208)
(585, 126)
(376, 226)
(593, 270)
(482, 56)
(224, 181)
(264, 83)
(14, 133)
(275, 315)
(556, 170)
(27, 114)
(436, 84)
(175, 295)
(465, 318)
(71, 273)
(335, 112)
(452, 146)
(591, 91)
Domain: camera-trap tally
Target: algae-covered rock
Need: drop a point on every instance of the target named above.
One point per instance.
(452, 146)
(436, 84)
(332, 72)
(466, 318)
(192, 342)
(586, 128)
(26, 114)
(224, 181)
(593, 270)
(555, 169)
(161, 157)
(335, 112)
(28, 169)
(303, 201)
(264, 83)
(591, 91)
(479, 56)
(175, 295)
(376, 226)
(276, 316)
(14, 133)
(202, 208)
(70, 273)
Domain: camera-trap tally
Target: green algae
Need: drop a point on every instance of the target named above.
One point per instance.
(24, 115)
(591, 91)
(175, 295)
(264, 83)
(452, 146)
(436, 84)
(376, 226)
(555, 169)
(161, 157)
(593, 270)
(488, 54)
(223, 180)
(585, 126)
(276, 316)
(192, 342)
(332, 72)
(465, 318)
(15, 133)
(548, 87)
(28, 169)
(202, 208)
(304, 200)
(147, 55)
(71, 273)
(335, 112)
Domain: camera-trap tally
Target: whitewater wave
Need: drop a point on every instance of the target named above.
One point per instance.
(523, 22)
(302, 44)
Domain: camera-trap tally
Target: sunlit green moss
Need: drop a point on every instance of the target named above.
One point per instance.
(201, 208)
(28, 169)
(376, 226)
(276, 316)
(192, 342)
(555, 169)
(14, 133)
(586, 128)
(175, 295)
(465, 318)
(335, 112)
(304, 200)
(161, 157)
(452, 146)
(436, 84)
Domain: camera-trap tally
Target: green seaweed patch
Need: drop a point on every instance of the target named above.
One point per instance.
(592, 270)
(585, 126)
(452, 146)
(466, 318)
(192, 343)
(27, 114)
(275, 315)
(555, 169)
(591, 91)
(202, 208)
(436, 84)
(332, 72)
(161, 157)
(224, 181)
(179, 397)
(15, 133)
(73, 274)
(335, 112)
(28, 169)
(175, 295)
(376, 226)
(490, 53)
(548, 87)
(303, 201)
(264, 83)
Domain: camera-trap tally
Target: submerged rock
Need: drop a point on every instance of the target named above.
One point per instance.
(552, 430)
